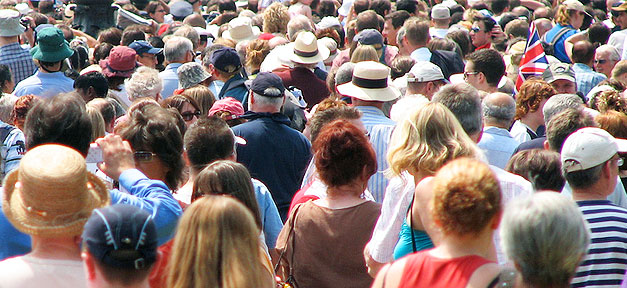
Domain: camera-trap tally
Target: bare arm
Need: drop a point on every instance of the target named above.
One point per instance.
(421, 211)
(570, 41)
(531, 4)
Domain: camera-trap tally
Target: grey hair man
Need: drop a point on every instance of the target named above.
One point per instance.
(177, 51)
(605, 58)
(144, 82)
(498, 114)
(297, 24)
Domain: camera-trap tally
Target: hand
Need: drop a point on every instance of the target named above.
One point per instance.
(117, 156)
(497, 33)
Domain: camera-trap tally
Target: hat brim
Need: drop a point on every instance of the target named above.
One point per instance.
(104, 64)
(323, 54)
(369, 94)
(63, 53)
(154, 51)
(26, 222)
(622, 145)
(256, 32)
(12, 31)
(561, 77)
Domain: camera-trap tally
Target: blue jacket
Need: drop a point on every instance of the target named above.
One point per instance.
(235, 88)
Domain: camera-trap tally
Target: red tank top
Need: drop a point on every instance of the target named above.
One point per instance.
(424, 270)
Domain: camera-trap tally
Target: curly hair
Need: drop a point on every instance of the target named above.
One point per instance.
(531, 94)
(608, 100)
(275, 19)
(21, 108)
(613, 122)
(256, 52)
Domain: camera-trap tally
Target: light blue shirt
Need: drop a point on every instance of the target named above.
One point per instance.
(586, 78)
(421, 54)
(618, 197)
(497, 145)
(170, 78)
(380, 129)
(216, 87)
(270, 218)
(45, 85)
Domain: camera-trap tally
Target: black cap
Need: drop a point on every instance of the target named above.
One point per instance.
(265, 80)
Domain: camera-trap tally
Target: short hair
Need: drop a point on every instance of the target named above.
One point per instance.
(540, 167)
(463, 100)
(106, 109)
(498, 6)
(531, 93)
(360, 6)
(322, 118)
(145, 82)
(558, 103)
(490, 63)
(466, 197)
(613, 122)
(207, 140)
(546, 236)
(7, 102)
(488, 22)
(407, 5)
(176, 48)
(342, 154)
(598, 34)
(614, 55)
(190, 33)
(583, 52)
(61, 119)
(5, 75)
(131, 35)
(401, 66)
(416, 31)
(502, 113)
(620, 69)
(261, 100)
(122, 276)
(517, 28)
(95, 80)
(608, 100)
(367, 20)
(110, 35)
(583, 179)
(226, 5)
(380, 6)
(344, 74)
(397, 18)
(101, 51)
(297, 24)
(565, 123)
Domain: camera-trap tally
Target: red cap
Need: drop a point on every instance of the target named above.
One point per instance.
(227, 104)
(121, 62)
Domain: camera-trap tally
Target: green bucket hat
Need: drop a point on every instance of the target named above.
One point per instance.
(51, 46)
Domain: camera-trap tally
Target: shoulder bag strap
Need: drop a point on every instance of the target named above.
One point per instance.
(411, 217)
(289, 235)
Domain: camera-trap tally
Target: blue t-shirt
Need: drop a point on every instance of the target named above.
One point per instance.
(560, 51)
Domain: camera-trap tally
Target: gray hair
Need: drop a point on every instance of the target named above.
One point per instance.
(6, 107)
(501, 112)
(463, 100)
(296, 24)
(399, 36)
(545, 235)
(614, 55)
(558, 103)
(176, 48)
(190, 33)
(276, 102)
(344, 74)
(145, 82)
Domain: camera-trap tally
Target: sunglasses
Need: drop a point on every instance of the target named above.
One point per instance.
(188, 116)
(600, 61)
(475, 29)
(143, 156)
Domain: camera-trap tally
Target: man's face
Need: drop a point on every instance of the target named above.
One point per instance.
(148, 60)
(389, 32)
(470, 75)
(621, 19)
(603, 64)
(478, 35)
(564, 86)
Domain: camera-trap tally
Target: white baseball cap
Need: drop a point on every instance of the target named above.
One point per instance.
(425, 71)
(440, 11)
(589, 147)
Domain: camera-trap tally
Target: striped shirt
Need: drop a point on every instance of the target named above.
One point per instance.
(19, 61)
(606, 261)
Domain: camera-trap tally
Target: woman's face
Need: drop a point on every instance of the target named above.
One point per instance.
(190, 114)
(158, 15)
(577, 19)
(150, 164)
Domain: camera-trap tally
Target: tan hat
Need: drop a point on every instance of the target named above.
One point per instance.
(307, 50)
(51, 194)
(370, 83)
(575, 5)
(241, 29)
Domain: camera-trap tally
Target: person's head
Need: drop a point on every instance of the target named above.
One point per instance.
(369, 85)
(146, 54)
(297, 24)
(598, 34)
(583, 52)
(546, 237)
(225, 177)
(178, 50)
(416, 33)
(119, 65)
(400, 66)
(157, 10)
(481, 31)
(208, 140)
(411, 6)
(6, 79)
(498, 110)
(531, 97)
(107, 111)
(91, 85)
(463, 100)
(570, 12)
(97, 123)
(590, 156)
(393, 22)
(225, 63)
(484, 69)
(185, 106)
(275, 19)
(154, 135)
(190, 33)
(343, 155)
(110, 35)
(51, 49)
(119, 245)
(364, 53)
(440, 16)
(620, 71)
(203, 97)
(605, 58)
(558, 103)
(144, 83)
(517, 28)
(267, 93)
(10, 23)
(608, 100)
(191, 74)
(326, 116)
(466, 198)
(371, 37)
(256, 52)
(367, 20)
(131, 35)
(425, 78)
(540, 167)
(563, 124)
(180, 9)
(543, 25)
(229, 246)
(562, 77)
(427, 139)
(613, 122)
(381, 7)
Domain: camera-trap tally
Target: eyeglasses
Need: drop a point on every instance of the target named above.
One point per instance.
(620, 161)
(188, 116)
(466, 74)
(143, 156)
(475, 29)
(600, 61)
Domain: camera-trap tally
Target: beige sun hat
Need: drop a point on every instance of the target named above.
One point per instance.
(307, 50)
(51, 194)
(370, 83)
(241, 29)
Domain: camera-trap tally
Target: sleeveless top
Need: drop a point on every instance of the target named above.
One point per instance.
(424, 270)
(404, 246)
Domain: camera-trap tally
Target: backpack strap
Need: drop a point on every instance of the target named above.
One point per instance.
(559, 35)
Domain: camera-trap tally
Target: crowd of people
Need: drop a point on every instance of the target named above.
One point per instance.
(313, 143)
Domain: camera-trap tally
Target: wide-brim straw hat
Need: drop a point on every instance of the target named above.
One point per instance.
(52, 194)
(370, 83)
(307, 50)
(241, 29)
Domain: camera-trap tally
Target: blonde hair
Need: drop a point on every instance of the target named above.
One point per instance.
(563, 15)
(427, 139)
(275, 18)
(256, 52)
(97, 123)
(364, 53)
(216, 245)
(203, 97)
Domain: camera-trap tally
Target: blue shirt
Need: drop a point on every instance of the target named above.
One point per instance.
(19, 61)
(170, 78)
(150, 195)
(498, 145)
(45, 85)
(270, 218)
(421, 54)
(586, 78)
(560, 51)
(380, 130)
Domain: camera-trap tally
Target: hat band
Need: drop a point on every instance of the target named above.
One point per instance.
(370, 83)
(306, 54)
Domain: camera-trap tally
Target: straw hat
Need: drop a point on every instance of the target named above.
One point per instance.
(307, 50)
(51, 194)
(241, 29)
(370, 83)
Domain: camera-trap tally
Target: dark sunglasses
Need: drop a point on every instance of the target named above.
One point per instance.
(600, 61)
(143, 156)
(188, 116)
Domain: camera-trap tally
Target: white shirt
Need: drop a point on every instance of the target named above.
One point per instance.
(27, 271)
(519, 132)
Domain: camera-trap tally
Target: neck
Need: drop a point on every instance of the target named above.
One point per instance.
(265, 109)
(592, 193)
(454, 246)
(531, 122)
(490, 89)
(101, 283)
(343, 196)
(377, 104)
(56, 248)
(7, 40)
(496, 124)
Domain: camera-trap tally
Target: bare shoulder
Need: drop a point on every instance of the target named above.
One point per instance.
(484, 275)
(390, 275)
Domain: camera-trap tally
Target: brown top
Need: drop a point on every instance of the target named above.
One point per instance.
(329, 244)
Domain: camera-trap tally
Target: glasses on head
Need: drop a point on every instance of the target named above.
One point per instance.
(466, 74)
(600, 61)
(188, 116)
(143, 156)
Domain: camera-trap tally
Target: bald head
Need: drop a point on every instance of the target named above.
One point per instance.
(498, 110)
(543, 12)
(195, 20)
(543, 25)
(583, 52)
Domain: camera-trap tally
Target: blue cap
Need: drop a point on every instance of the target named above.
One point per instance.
(369, 37)
(226, 60)
(141, 47)
(122, 236)
(265, 80)
(181, 9)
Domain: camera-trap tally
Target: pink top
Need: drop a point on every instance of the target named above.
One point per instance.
(424, 270)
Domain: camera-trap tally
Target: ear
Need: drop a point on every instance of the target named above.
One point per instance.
(546, 145)
(496, 220)
(185, 158)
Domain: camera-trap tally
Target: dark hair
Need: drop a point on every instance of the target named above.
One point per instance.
(488, 22)
(583, 52)
(152, 7)
(401, 66)
(38, 18)
(407, 5)
(398, 18)
(123, 276)
(327, 8)
(322, 118)
(584, 178)
(361, 6)
(490, 63)
(367, 20)
(563, 124)
(208, 140)
(543, 168)
(94, 79)
(462, 38)
(380, 6)
(5, 75)
(226, 5)
(498, 6)
(61, 119)
(154, 129)
(178, 101)
(131, 35)
(343, 153)
(598, 34)
(111, 35)
(101, 51)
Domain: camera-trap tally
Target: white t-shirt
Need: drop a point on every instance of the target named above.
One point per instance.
(27, 271)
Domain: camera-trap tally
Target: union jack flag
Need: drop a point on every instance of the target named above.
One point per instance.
(533, 62)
